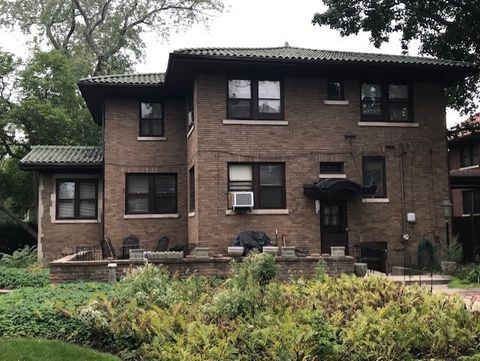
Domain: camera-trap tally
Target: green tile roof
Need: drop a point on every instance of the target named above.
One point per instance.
(316, 55)
(63, 155)
(125, 79)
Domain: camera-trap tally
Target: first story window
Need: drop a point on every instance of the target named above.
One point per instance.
(374, 175)
(154, 193)
(471, 201)
(254, 99)
(265, 180)
(468, 155)
(151, 119)
(386, 102)
(76, 199)
(335, 90)
(191, 188)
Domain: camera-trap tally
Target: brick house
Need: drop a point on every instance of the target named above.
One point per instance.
(337, 148)
(463, 154)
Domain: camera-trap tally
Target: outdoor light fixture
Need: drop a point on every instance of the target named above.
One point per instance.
(447, 214)
(447, 209)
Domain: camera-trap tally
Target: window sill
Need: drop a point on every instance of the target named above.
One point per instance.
(191, 214)
(258, 212)
(469, 167)
(470, 215)
(334, 176)
(151, 216)
(254, 122)
(336, 102)
(72, 221)
(375, 200)
(190, 131)
(389, 124)
(151, 139)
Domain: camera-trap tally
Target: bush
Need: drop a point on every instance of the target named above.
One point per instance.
(11, 278)
(454, 252)
(20, 258)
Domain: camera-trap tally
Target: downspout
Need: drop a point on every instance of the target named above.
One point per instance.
(103, 170)
(402, 189)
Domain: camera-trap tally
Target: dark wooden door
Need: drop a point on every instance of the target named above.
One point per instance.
(333, 224)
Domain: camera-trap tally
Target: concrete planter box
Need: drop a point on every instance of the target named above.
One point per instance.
(164, 255)
(448, 267)
(337, 251)
(360, 269)
(273, 250)
(289, 252)
(201, 252)
(235, 251)
(136, 254)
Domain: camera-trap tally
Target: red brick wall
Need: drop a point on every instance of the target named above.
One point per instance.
(125, 154)
(316, 132)
(55, 237)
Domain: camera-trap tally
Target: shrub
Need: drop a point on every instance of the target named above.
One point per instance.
(11, 278)
(454, 252)
(23, 257)
(469, 274)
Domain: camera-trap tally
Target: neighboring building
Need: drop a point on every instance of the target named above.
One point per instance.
(464, 151)
(336, 147)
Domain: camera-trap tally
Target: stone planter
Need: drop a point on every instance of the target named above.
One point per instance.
(136, 254)
(164, 255)
(448, 267)
(337, 251)
(201, 252)
(273, 250)
(235, 251)
(360, 269)
(289, 252)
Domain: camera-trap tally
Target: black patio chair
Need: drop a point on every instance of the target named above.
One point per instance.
(107, 249)
(129, 242)
(162, 244)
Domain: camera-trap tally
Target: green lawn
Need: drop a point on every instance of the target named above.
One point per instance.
(456, 282)
(44, 350)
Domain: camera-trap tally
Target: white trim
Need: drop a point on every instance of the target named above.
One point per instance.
(468, 215)
(389, 124)
(191, 214)
(68, 221)
(336, 102)
(190, 131)
(376, 200)
(254, 122)
(151, 139)
(151, 216)
(334, 176)
(259, 212)
(469, 167)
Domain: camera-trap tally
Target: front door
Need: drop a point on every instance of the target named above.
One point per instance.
(333, 224)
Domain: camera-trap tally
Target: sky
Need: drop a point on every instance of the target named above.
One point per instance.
(250, 23)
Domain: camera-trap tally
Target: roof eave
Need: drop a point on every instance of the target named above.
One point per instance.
(57, 166)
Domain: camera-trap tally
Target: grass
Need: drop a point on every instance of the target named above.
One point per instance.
(456, 282)
(44, 350)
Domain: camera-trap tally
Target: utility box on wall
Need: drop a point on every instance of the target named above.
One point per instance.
(411, 218)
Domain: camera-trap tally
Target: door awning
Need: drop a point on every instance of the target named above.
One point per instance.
(336, 189)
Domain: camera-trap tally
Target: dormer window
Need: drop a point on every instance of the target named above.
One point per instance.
(151, 120)
(254, 99)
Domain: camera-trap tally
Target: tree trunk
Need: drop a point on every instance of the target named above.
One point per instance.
(17, 220)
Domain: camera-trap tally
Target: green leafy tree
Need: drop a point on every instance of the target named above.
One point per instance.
(446, 29)
(105, 33)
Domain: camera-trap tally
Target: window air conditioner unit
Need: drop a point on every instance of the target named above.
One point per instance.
(242, 200)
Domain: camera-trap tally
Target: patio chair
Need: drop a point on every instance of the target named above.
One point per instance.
(129, 242)
(162, 244)
(107, 249)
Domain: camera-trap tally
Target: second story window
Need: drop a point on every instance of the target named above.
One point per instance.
(468, 155)
(387, 102)
(374, 174)
(254, 99)
(471, 201)
(335, 90)
(151, 120)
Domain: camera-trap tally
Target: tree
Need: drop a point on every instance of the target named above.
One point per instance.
(106, 33)
(446, 29)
